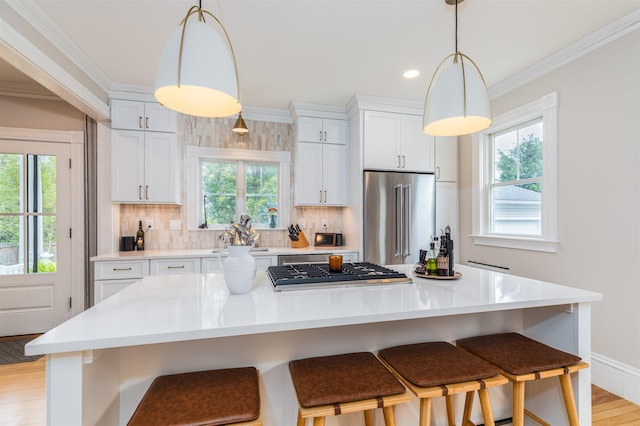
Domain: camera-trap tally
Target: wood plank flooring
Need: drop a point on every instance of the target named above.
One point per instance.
(22, 399)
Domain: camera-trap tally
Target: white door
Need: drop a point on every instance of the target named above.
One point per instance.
(35, 242)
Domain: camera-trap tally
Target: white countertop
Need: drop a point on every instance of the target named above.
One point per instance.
(212, 252)
(168, 308)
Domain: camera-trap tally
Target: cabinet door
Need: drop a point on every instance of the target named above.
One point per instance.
(159, 118)
(128, 115)
(308, 177)
(160, 168)
(447, 210)
(447, 158)
(310, 129)
(417, 148)
(381, 141)
(335, 131)
(127, 166)
(105, 289)
(334, 175)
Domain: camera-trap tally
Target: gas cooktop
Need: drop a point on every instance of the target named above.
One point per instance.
(314, 275)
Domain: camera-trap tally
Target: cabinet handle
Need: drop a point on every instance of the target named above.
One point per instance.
(404, 161)
(140, 122)
(438, 172)
(321, 195)
(398, 161)
(320, 135)
(122, 269)
(140, 192)
(325, 136)
(176, 267)
(146, 122)
(146, 192)
(325, 196)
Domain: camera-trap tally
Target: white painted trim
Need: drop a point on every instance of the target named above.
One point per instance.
(605, 35)
(516, 243)
(616, 377)
(78, 229)
(26, 90)
(377, 103)
(38, 135)
(303, 109)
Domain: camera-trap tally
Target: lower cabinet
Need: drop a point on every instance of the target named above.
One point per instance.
(175, 266)
(211, 264)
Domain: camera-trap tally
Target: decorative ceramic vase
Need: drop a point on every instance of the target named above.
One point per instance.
(272, 221)
(239, 269)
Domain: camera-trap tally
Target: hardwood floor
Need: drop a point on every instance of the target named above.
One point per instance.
(22, 402)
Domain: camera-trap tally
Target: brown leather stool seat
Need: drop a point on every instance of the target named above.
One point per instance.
(213, 397)
(339, 384)
(437, 369)
(522, 359)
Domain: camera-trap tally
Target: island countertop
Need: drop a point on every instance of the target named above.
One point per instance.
(161, 309)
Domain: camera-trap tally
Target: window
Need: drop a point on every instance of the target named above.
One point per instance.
(515, 179)
(225, 183)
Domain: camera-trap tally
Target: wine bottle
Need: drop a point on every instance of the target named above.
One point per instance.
(140, 237)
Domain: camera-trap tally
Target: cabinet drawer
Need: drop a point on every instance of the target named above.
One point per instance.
(121, 269)
(210, 264)
(175, 266)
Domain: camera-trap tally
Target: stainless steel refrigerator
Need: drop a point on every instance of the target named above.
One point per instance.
(399, 216)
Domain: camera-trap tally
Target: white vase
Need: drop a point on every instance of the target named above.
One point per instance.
(239, 269)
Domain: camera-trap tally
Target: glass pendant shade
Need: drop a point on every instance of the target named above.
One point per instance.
(240, 126)
(197, 72)
(457, 99)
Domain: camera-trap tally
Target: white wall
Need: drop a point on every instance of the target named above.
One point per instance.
(599, 195)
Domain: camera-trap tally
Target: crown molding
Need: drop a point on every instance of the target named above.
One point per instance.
(377, 103)
(605, 35)
(26, 90)
(303, 109)
(39, 135)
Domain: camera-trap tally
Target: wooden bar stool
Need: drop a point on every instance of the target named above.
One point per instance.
(339, 384)
(437, 369)
(521, 360)
(213, 397)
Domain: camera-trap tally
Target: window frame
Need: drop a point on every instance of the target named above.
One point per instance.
(482, 169)
(197, 154)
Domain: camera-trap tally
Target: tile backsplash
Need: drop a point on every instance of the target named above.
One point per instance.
(216, 132)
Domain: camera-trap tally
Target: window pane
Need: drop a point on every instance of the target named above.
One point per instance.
(516, 209)
(262, 191)
(10, 183)
(219, 187)
(11, 247)
(42, 244)
(517, 153)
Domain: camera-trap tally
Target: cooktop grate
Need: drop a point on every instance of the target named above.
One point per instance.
(313, 275)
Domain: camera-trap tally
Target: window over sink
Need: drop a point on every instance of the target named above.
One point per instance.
(229, 182)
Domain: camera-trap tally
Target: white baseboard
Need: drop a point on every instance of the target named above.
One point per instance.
(616, 377)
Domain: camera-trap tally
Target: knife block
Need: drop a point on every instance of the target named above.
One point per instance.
(302, 241)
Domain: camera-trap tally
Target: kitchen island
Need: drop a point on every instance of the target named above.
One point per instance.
(100, 362)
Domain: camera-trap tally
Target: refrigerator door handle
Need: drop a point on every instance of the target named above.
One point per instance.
(407, 220)
(399, 220)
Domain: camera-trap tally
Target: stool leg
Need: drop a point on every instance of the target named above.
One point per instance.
(468, 405)
(389, 418)
(318, 421)
(425, 412)
(301, 421)
(368, 417)
(518, 403)
(485, 403)
(569, 403)
(451, 416)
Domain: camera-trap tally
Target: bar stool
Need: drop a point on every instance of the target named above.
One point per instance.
(521, 360)
(340, 384)
(437, 369)
(213, 397)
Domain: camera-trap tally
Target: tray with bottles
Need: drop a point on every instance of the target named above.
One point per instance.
(421, 272)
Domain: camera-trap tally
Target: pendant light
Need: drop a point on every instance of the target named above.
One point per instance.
(240, 126)
(197, 73)
(457, 100)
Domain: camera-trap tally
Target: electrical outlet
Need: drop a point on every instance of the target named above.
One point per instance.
(324, 223)
(175, 224)
(148, 222)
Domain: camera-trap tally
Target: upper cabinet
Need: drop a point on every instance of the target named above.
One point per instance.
(447, 158)
(138, 115)
(321, 162)
(394, 141)
(144, 154)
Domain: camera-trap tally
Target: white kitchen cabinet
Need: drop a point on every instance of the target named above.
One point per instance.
(112, 276)
(211, 264)
(447, 158)
(138, 115)
(144, 167)
(396, 142)
(176, 266)
(321, 174)
(447, 211)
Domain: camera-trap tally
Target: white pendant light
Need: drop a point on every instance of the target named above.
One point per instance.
(457, 100)
(197, 73)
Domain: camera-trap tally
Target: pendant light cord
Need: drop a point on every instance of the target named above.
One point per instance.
(456, 26)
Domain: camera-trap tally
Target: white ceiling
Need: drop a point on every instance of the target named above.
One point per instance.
(326, 51)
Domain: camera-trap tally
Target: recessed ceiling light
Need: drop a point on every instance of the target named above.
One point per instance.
(411, 74)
